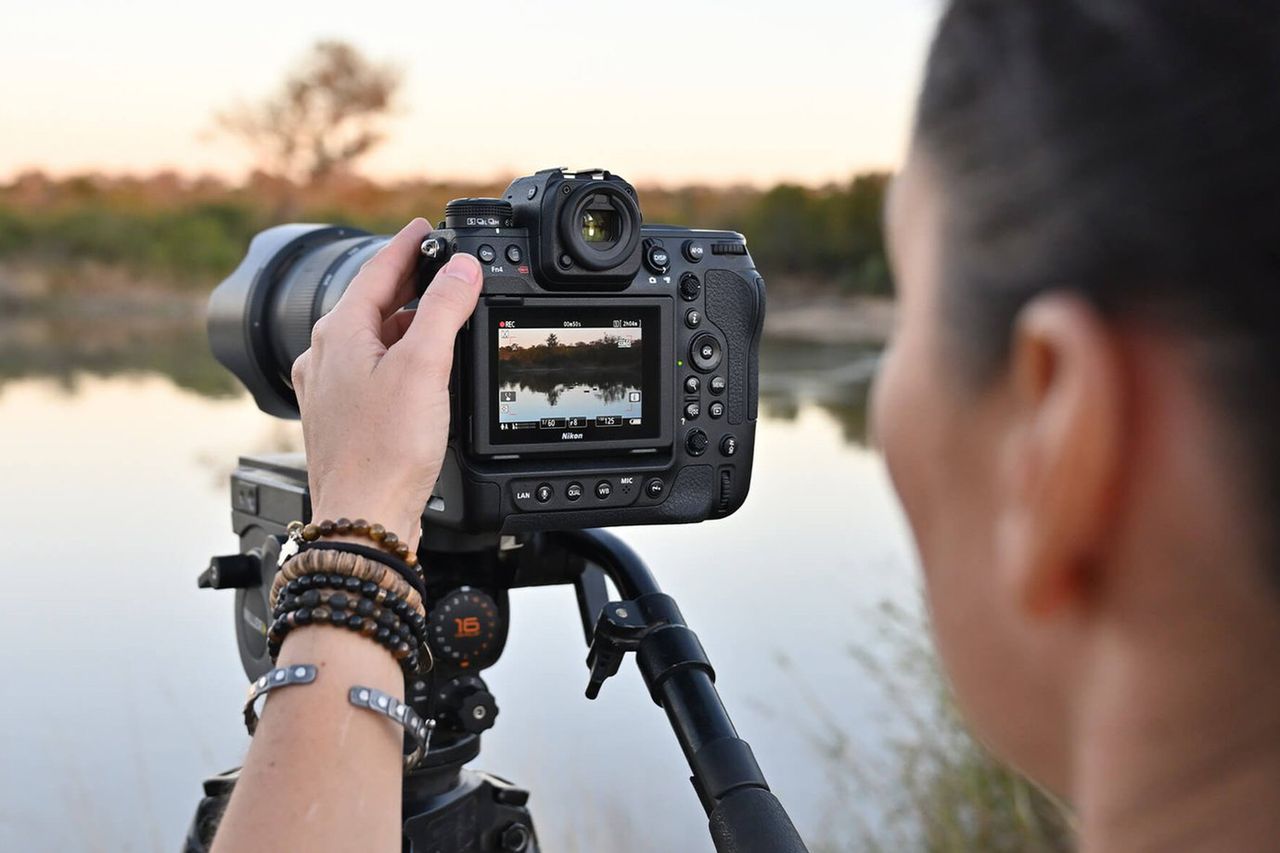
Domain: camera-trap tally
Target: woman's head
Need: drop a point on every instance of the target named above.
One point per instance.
(1086, 373)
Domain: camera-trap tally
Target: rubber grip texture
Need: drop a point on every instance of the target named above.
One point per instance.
(736, 306)
(751, 820)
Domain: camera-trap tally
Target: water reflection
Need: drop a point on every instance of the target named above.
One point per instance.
(835, 379)
(132, 437)
(55, 346)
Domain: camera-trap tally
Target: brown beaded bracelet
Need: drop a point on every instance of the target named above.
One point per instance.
(376, 533)
(346, 564)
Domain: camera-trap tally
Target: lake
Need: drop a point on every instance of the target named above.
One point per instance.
(123, 685)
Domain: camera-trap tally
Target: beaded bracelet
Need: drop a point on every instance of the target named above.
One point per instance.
(396, 626)
(285, 676)
(347, 565)
(362, 604)
(410, 576)
(400, 713)
(378, 534)
(400, 648)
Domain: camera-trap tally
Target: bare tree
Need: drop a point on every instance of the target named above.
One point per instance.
(326, 116)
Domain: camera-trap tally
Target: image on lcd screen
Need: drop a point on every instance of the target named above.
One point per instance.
(576, 376)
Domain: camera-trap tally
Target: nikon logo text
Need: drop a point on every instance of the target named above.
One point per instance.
(571, 436)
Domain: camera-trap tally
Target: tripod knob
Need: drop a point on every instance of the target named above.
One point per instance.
(467, 703)
(478, 711)
(236, 571)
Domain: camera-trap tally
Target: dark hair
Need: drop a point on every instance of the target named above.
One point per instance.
(1127, 151)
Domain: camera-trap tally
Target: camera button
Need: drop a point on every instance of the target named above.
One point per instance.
(603, 489)
(692, 410)
(693, 318)
(692, 385)
(654, 488)
(696, 442)
(486, 254)
(717, 385)
(657, 259)
(514, 254)
(690, 286)
(544, 493)
(705, 353)
(573, 491)
(716, 410)
(693, 252)
(728, 446)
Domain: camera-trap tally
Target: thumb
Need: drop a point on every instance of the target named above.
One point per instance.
(442, 311)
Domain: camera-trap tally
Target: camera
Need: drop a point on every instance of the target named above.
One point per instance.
(609, 374)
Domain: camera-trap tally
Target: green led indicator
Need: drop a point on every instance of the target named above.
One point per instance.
(680, 363)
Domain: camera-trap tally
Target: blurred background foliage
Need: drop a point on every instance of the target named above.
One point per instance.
(184, 232)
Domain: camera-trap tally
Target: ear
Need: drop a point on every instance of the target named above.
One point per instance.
(1061, 453)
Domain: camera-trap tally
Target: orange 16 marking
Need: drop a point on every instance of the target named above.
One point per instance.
(468, 626)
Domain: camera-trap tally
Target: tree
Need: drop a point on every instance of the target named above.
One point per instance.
(326, 116)
(552, 340)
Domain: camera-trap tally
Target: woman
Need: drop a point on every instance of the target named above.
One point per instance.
(1076, 411)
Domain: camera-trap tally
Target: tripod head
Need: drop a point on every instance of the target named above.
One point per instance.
(447, 807)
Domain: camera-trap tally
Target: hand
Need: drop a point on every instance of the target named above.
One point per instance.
(374, 387)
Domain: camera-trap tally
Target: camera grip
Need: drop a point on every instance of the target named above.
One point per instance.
(736, 306)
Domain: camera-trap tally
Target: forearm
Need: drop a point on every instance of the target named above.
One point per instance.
(321, 774)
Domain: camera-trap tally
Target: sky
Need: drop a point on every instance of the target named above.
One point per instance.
(699, 91)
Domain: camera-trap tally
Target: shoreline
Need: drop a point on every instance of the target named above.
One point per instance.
(37, 295)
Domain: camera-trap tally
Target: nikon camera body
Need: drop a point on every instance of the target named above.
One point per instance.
(607, 377)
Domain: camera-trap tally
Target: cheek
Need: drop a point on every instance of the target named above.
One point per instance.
(934, 449)
(911, 427)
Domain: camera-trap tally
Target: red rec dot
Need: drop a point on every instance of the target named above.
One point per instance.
(523, 270)
(502, 324)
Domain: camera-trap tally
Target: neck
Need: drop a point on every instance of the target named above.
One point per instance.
(1180, 738)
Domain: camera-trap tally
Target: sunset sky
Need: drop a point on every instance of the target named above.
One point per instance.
(715, 91)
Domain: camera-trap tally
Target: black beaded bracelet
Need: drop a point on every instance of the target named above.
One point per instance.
(398, 712)
(413, 577)
(387, 630)
(411, 624)
(388, 637)
(365, 589)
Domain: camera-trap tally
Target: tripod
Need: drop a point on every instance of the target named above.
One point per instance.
(449, 809)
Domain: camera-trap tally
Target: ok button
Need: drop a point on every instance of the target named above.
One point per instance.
(705, 353)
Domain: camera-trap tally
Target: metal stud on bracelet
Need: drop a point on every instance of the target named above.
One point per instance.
(284, 676)
(401, 714)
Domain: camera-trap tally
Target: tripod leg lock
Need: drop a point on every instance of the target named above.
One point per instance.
(723, 766)
(666, 651)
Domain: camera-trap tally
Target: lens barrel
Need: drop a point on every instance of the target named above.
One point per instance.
(261, 316)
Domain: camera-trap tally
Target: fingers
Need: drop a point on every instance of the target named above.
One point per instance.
(298, 373)
(394, 327)
(385, 283)
(442, 311)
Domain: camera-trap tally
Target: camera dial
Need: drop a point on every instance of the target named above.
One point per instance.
(478, 213)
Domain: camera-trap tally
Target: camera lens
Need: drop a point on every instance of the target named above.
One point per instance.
(260, 317)
(600, 226)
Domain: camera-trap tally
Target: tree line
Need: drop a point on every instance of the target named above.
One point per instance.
(186, 233)
(307, 137)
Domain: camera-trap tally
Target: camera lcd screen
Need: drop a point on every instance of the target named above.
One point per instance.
(574, 375)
